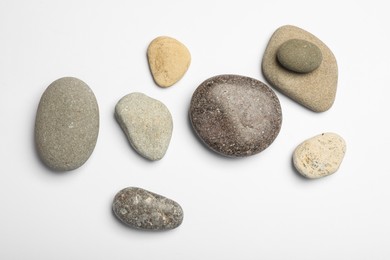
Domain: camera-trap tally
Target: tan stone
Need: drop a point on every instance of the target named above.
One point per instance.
(315, 90)
(168, 60)
(320, 155)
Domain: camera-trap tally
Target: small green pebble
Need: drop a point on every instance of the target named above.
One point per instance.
(299, 56)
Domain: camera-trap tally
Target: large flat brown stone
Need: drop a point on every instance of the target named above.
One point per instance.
(315, 90)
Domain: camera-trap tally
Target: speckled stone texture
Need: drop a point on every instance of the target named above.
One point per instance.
(147, 124)
(235, 116)
(320, 155)
(315, 90)
(66, 124)
(299, 56)
(168, 60)
(146, 210)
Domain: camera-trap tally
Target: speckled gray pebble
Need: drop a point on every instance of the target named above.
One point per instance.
(235, 116)
(147, 123)
(66, 124)
(299, 55)
(146, 210)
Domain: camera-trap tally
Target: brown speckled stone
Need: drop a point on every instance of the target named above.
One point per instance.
(235, 116)
(143, 209)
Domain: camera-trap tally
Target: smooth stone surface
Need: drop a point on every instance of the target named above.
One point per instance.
(168, 59)
(320, 155)
(147, 124)
(234, 115)
(299, 55)
(315, 90)
(143, 209)
(66, 124)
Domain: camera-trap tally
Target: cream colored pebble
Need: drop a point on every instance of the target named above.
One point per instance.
(168, 60)
(320, 155)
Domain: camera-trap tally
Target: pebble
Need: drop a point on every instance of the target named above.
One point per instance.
(66, 124)
(235, 116)
(168, 59)
(147, 124)
(320, 155)
(143, 209)
(315, 90)
(299, 55)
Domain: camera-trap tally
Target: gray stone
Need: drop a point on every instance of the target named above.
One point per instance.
(66, 124)
(299, 55)
(315, 90)
(147, 124)
(143, 209)
(320, 155)
(235, 116)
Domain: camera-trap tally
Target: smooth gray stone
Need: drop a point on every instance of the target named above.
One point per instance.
(146, 210)
(299, 55)
(66, 124)
(147, 124)
(235, 116)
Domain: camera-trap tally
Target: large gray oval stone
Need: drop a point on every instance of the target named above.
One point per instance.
(235, 116)
(299, 55)
(66, 124)
(143, 209)
(147, 124)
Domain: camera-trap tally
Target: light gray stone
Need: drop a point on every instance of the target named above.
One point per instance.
(147, 124)
(66, 124)
(320, 155)
(146, 210)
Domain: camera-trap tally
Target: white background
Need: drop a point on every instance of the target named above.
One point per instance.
(252, 208)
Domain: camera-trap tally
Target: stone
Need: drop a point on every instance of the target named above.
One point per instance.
(315, 90)
(235, 116)
(142, 209)
(66, 124)
(320, 155)
(168, 59)
(299, 56)
(147, 124)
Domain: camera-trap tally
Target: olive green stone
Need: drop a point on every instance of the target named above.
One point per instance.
(299, 56)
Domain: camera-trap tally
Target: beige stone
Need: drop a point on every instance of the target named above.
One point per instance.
(168, 60)
(320, 155)
(315, 90)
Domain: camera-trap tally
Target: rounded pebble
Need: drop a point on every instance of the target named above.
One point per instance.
(235, 116)
(168, 59)
(66, 124)
(143, 209)
(320, 155)
(147, 124)
(299, 55)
